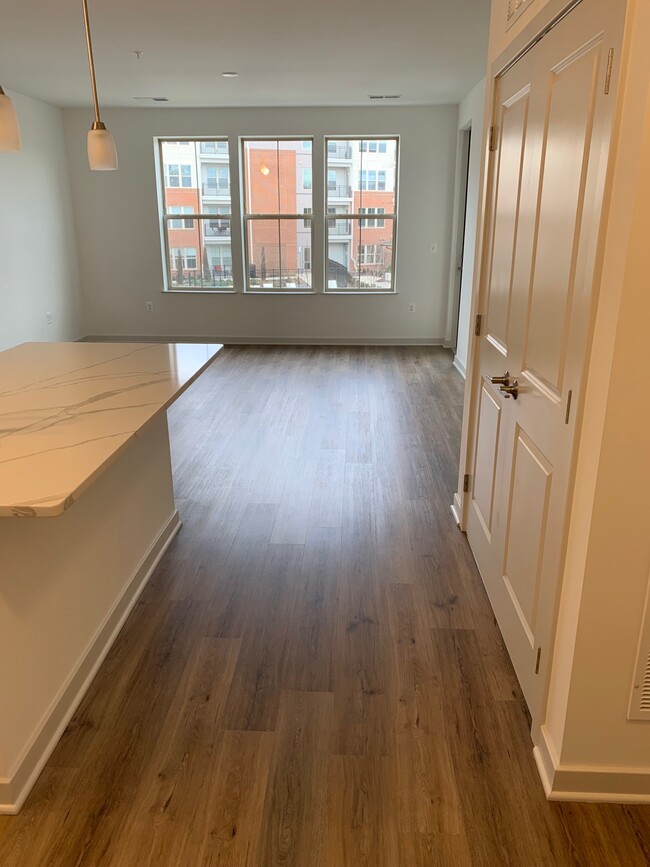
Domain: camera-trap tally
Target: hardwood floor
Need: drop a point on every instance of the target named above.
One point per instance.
(313, 676)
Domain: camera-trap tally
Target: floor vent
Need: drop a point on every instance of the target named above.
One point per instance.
(640, 698)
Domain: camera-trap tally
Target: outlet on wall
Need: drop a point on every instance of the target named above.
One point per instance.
(49, 318)
(148, 306)
(411, 308)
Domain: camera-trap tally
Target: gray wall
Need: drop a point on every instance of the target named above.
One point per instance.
(38, 264)
(119, 236)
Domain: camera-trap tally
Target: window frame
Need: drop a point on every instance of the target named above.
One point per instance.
(200, 216)
(359, 217)
(299, 218)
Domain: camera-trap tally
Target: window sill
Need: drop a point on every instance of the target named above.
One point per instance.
(199, 292)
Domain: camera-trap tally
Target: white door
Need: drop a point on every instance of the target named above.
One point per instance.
(552, 125)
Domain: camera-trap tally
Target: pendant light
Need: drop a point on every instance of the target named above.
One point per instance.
(102, 155)
(9, 131)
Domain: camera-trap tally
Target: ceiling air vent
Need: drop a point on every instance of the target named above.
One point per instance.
(516, 8)
(382, 96)
(640, 698)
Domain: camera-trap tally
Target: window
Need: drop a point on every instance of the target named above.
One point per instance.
(372, 223)
(306, 145)
(181, 224)
(216, 181)
(373, 147)
(370, 254)
(178, 175)
(361, 235)
(278, 220)
(196, 215)
(183, 258)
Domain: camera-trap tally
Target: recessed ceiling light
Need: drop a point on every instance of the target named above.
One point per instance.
(230, 74)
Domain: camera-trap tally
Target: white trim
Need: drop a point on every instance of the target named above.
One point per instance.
(15, 788)
(460, 367)
(262, 341)
(593, 783)
(457, 509)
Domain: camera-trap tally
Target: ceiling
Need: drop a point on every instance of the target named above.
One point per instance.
(286, 52)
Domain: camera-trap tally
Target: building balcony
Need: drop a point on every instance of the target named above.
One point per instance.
(339, 152)
(212, 191)
(214, 149)
(216, 229)
(339, 191)
(339, 227)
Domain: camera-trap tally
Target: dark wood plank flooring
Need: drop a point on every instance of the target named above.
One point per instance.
(313, 676)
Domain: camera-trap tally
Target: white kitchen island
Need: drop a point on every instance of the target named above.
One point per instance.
(86, 511)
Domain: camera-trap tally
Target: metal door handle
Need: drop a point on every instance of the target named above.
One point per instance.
(511, 390)
(500, 380)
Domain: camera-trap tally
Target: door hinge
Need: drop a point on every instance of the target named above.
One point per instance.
(539, 656)
(492, 143)
(477, 325)
(608, 74)
(465, 483)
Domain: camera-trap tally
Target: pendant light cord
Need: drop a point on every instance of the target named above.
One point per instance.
(91, 61)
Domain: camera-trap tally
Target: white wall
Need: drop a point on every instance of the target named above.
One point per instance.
(470, 116)
(38, 269)
(608, 558)
(119, 236)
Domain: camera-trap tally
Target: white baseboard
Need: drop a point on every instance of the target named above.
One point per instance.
(457, 509)
(15, 788)
(595, 783)
(460, 367)
(264, 341)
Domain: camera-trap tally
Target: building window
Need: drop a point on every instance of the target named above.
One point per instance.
(183, 258)
(278, 220)
(181, 224)
(373, 147)
(178, 175)
(199, 249)
(361, 235)
(374, 222)
(307, 145)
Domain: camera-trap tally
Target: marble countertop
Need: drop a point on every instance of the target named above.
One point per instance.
(68, 409)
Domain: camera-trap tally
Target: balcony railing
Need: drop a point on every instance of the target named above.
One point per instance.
(339, 191)
(217, 228)
(339, 227)
(214, 147)
(215, 190)
(339, 152)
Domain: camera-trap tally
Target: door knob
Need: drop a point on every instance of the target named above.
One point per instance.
(511, 390)
(500, 380)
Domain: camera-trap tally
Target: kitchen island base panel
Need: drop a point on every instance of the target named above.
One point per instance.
(67, 585)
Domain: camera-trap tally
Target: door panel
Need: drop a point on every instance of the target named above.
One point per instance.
(543, 222)
(506, 207)
(567, 133)
(526, 530)
(487, 444)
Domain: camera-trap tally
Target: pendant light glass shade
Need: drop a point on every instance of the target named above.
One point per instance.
(102, 153)
(9, 131)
